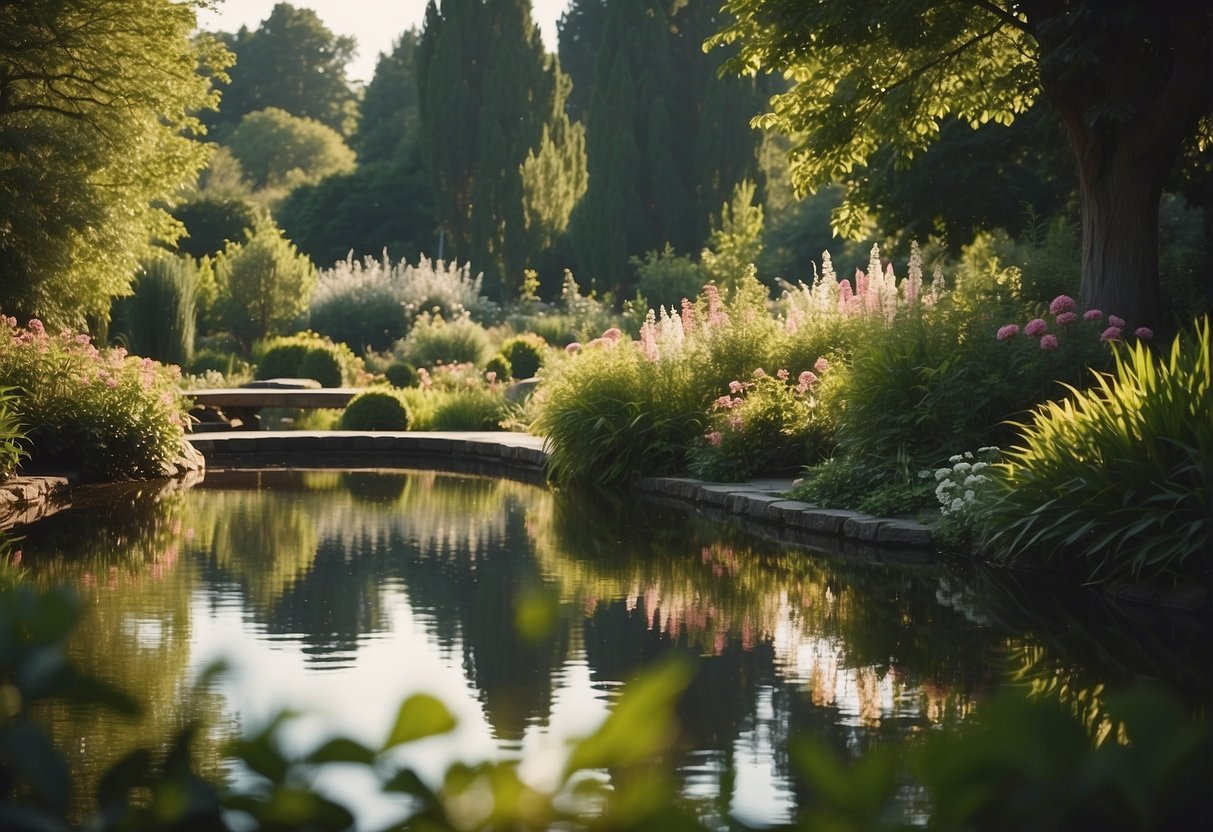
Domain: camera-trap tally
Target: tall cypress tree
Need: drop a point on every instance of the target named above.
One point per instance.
(491, 98)
(667, 139)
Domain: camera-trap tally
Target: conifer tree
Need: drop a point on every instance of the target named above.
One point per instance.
(492, 99)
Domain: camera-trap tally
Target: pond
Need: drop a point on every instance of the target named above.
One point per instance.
(338, 593)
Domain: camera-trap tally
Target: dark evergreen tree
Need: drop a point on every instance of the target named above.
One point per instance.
(389, 113)
(494, 130)
(667, 139)
(579, 35)
(292, 61)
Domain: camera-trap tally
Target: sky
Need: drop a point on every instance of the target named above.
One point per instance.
(373, 23)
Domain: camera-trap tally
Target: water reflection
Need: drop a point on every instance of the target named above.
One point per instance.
(340, 592)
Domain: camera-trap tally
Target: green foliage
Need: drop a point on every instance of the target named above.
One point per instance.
(666, 278)
(499, 365)
(736, 240)
(401, 374)
(211, 222)
(160, 318)
(1115, 480)
(292, 61)
(11, 435)
(525, 354)
(276, 149)
(390, 117)
(507, 165)
(97, 125)
(376, 409)
(306, 355)
(434, 340)
(108, 415)
(264, 284)
(380, 206)
(763, 425)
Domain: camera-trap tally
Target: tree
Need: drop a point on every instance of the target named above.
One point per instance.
(666, 138)
(390, 111)
(211, 222)
(275, 148)
(496, 135)
(292, 61)
(264, 284)
(97, 104)
(1130, 79)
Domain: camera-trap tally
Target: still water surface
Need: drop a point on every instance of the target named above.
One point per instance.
(337, 594)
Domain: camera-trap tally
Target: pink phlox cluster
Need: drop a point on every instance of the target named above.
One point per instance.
(738, 386)
(821, 365)
(573, 348)
(735, 423)
(782, 374)
(1036, 327)
(714, 438)
(1061, 304)
(1066, 318)
(424, 380)
(1117, 322)
(804, 381)
(1112, 333)
(1144, 333)
(725, 403)
(1092, 315)
(613, 334)
(1048, 342)
(1007, 331)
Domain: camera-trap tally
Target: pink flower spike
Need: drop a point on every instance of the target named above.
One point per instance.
(1117, 322)
(1035, 327)
(1066, 318)
(1061, 303)
(1092, 315)
(1144, 333)
(1008, 331)
(1112, 333)
(1048, 342)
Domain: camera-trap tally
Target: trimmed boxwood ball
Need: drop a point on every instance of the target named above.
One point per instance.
(525, 353)
(376, 409)
(500, 365)
(401, 374)
(322, 365)
(281, 360)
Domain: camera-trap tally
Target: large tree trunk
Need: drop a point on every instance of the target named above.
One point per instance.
(1126, 114)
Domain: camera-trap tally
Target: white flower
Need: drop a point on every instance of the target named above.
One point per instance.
(962, 468)
(970, 496)
(980, 466)
(988, 449)
(968, 454)
(942, 473)
(957, 504)
(955, 458)
(924, 474)
(972, 479)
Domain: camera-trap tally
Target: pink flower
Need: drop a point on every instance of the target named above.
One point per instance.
(1048, 342)
(1144, 333)
(36, 327)
(821, 365)
(1061, 303)
(1092, 315)
(724, 402)
(715, 438)
(1008, 331)
(1036, 326)
(1066, 318)
(736, 386)
(804, 381)
(760, 373)
(1119, 323)
(490, 376)
(613, 334)
(736, 423)
(573, 348)
(782, 375)
(1112, 333)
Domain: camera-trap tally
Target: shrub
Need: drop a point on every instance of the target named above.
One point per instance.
(435, 340)
(401, 374)
(106, 414)
(666, 279)
(264, 284)
(525, 354)
(479, 408)
(323, 365)
(376, 409)
(306, 355)
(11, 434)
(499, 366)
(1115, 480)
(158, 319)
(762, 425)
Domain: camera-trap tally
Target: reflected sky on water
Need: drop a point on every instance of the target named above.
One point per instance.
(337, 594)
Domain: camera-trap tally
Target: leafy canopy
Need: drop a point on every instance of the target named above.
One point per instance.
(870, 75)
(97, 118)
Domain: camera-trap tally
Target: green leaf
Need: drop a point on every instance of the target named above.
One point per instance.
(342, 750)
(420, 716)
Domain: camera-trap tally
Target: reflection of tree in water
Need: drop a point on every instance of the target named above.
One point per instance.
(457, 545)
(119, 549)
